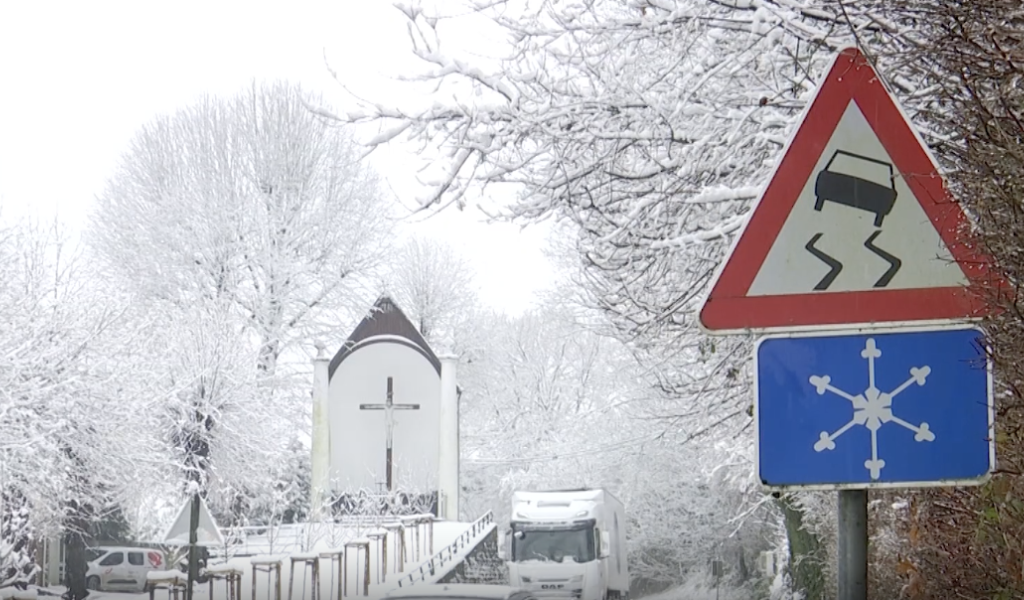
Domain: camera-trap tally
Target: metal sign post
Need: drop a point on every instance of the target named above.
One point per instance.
(879, 409)
(853, 544)
(193, 534)
(854, 263)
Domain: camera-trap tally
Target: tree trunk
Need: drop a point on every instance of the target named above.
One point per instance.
(743, 573)
(74, 563)
(805, 553)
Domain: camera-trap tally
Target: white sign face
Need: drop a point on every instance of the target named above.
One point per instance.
(206, 534)
(856, 226)
(359, 425)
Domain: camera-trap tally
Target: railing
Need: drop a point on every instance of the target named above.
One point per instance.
(354, 521)
(447, 554)
(291, 537)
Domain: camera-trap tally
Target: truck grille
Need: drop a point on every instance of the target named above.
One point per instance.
(558, 594)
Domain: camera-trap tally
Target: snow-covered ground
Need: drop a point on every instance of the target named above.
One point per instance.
(381, 581)
(53, 593)
(704, 588)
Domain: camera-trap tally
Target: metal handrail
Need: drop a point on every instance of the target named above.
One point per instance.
(447, 553)
(346, 520)
(286, 537)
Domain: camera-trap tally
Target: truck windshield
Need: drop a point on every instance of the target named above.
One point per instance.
(576, 543)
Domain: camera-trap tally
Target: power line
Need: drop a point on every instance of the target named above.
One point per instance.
(636, 441)
(572, 454)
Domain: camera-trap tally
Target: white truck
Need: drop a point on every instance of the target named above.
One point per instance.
(567, 544)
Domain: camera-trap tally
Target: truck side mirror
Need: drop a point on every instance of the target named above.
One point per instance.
(502, 542)
(606, 545)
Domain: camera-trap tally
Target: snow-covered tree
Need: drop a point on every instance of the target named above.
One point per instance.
(253, 199)
(433, 284)
(65, 462)
(16, 536)
(538, 393)
(241, 225)
(555, 404)
(649, 126)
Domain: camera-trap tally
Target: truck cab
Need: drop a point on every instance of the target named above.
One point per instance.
(560, 544)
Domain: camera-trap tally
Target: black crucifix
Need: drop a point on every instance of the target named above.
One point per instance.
(389, 408)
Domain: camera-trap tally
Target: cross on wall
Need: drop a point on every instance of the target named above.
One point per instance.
(389, 407)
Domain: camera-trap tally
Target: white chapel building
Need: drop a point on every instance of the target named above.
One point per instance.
(386, 395)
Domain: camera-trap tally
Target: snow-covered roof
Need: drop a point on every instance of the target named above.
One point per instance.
(225, 568)
(384, 321)
(124, 549)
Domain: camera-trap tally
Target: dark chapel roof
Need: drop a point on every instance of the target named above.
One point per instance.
(385, 319)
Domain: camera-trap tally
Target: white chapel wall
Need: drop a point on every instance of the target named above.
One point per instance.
(358, 437)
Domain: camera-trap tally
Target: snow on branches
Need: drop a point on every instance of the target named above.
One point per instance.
(62, 462)
(252, 199)
(648, 127)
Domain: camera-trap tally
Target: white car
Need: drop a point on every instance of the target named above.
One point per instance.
(121, 568)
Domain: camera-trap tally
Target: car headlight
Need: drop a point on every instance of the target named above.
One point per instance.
(526, 579)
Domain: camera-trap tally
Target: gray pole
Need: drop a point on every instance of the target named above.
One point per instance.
(192, 539)
(853, 545)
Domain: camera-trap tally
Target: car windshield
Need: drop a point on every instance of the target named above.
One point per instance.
(554, 544)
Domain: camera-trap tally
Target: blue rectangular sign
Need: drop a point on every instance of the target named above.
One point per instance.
(877, 409)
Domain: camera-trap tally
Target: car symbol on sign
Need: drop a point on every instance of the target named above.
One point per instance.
(855, 192)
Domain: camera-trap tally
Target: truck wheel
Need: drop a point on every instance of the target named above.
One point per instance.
(92, 583)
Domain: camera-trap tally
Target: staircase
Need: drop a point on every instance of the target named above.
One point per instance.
(481, 565)
(471, 558)
(371, 556)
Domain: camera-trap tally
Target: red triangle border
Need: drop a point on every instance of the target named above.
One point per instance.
(728, 307)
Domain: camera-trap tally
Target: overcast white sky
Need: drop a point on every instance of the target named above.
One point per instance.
(79, 78)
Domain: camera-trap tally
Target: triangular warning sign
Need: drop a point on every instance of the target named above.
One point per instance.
(855, 226)
(207, 534)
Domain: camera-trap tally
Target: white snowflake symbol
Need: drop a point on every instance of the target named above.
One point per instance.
(872, 408)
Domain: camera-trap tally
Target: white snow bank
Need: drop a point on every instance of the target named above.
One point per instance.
(225, 568)
(173, 575)
(9, 593)
(332, 553)
(700, 588)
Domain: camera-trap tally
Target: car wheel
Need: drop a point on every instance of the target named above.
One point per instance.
(92, 583)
